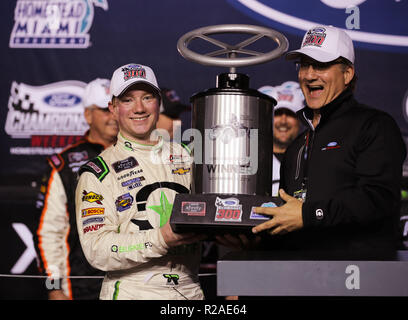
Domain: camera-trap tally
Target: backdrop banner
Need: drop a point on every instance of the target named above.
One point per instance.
(50, 49)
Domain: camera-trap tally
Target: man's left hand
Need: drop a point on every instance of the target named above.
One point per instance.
(286, 218)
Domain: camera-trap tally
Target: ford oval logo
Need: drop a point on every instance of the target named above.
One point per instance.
(319, 30)
(383, 23)
(62, 100)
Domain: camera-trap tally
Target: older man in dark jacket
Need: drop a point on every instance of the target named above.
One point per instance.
(346, 168)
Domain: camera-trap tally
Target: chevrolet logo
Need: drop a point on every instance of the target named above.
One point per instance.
(180, 171)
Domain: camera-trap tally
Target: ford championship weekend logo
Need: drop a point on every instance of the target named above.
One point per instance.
(53, 23)
(46, 112)
(368, 22)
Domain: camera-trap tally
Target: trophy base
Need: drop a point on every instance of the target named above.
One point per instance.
(219, 213)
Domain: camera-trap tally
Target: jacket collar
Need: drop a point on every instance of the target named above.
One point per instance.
(330, 110)
(133, 145)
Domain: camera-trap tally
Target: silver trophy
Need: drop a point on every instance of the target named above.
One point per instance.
(232, 169)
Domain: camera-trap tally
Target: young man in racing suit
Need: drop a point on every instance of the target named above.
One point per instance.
(57, 242)
(124, 200)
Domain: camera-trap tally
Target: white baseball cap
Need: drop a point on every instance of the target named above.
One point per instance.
(97, 93)
(129, 74)
(288, 95)
(325, 44)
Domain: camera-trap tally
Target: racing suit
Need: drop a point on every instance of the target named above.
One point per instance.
(57, 242)
(123, 197)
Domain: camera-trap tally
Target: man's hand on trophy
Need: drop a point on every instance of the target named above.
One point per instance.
(286, 218)
(173, 239)
(238, 242)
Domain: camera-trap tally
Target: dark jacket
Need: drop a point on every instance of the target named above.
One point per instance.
(353, 182)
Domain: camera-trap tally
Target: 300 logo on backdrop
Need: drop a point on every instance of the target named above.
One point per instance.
(53, 23)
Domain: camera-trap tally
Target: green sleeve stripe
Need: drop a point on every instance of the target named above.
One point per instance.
(186, 147)
(97, 166)
(104, 167)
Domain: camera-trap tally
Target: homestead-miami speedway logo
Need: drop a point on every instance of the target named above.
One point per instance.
(382, 23)
(53, 23)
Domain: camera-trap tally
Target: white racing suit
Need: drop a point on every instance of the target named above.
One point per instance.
(123, 197)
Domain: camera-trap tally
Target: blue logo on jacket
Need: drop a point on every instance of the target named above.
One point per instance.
(330, 146)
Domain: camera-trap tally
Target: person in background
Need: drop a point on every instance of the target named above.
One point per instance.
(170, 110)
(286, 124)
(341, 178)
(125, 196)
(60, 253)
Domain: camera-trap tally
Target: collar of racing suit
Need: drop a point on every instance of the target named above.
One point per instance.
(133, 145)
(329, 110)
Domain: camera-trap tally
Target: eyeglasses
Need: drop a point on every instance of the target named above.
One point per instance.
(316, 65)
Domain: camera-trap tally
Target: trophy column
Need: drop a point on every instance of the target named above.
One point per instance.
(233, 173)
